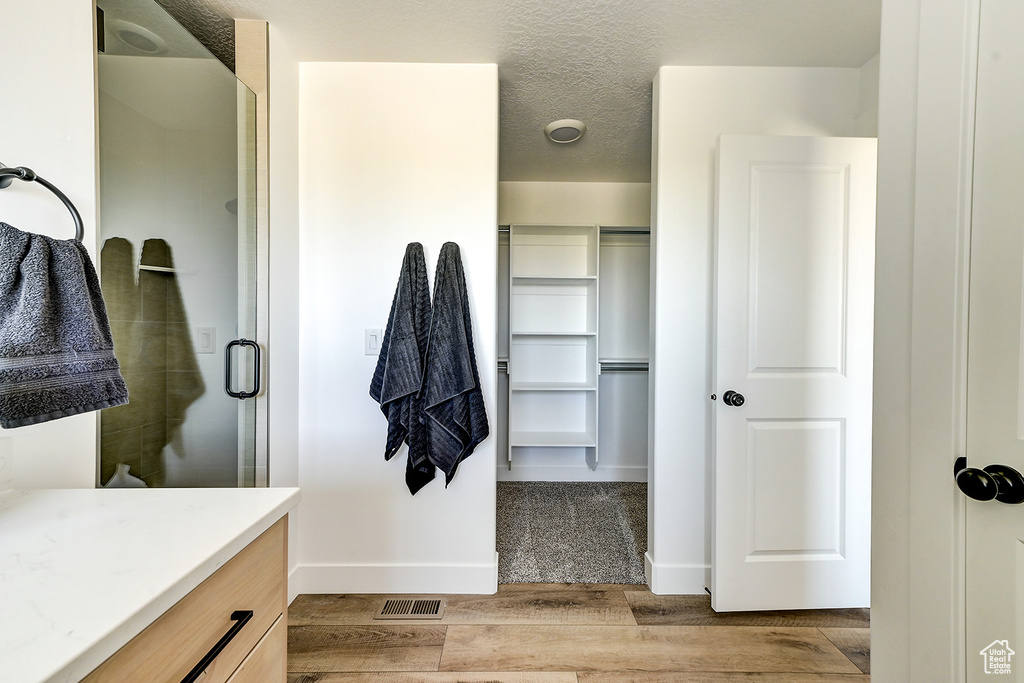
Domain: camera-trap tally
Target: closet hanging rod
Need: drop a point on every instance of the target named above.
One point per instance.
(624, 366)
(613, 230)
(606, 366)
(605, 229)
(7, 176)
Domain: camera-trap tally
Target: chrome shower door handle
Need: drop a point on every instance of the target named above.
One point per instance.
(228, 365)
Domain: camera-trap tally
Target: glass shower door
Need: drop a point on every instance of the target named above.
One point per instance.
(178, 254)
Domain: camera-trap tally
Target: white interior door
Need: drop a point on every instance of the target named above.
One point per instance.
(795, 269)
(995, 373)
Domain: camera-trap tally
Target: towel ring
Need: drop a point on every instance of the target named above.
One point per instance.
(7, 176)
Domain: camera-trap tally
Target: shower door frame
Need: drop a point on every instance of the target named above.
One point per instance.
(253, 273)
(251, 69)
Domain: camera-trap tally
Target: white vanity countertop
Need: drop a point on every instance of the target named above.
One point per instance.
(82, 571)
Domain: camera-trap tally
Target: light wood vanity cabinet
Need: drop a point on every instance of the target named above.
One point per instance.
(269, 660)
(168, 649)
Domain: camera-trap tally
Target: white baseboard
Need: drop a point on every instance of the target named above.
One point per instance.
(581, 473)
(476, 579)
(675, 579)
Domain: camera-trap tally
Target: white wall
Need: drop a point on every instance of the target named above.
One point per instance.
(693, 105)
(866, 124)
(49, 124)
(610, 204)
(283, 346)
(6, 463)
(389, 154)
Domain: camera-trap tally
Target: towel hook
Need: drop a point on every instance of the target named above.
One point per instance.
(7, 176)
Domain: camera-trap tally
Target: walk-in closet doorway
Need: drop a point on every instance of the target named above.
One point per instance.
(573, 341)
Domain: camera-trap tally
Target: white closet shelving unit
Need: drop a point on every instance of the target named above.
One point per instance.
(553, 364)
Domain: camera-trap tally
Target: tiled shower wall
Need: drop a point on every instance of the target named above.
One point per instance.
(154, 346)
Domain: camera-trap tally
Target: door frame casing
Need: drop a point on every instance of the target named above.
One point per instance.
(926, 106)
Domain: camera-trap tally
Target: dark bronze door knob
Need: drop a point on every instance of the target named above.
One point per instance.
(733, 398)
(995, 482)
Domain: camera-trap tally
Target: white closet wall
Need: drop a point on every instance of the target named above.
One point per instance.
(624, 282)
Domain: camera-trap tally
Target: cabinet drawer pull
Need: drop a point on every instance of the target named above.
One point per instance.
(241, 618)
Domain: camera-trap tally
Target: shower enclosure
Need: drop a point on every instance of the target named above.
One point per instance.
(178, 254)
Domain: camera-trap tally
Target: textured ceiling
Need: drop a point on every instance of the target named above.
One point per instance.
(593, 60)
(213, 30)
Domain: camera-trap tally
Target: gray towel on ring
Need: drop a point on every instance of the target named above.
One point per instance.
(398, 375)
(451, 395)
(56, 352)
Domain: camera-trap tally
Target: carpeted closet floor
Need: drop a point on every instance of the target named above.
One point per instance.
(572, 532)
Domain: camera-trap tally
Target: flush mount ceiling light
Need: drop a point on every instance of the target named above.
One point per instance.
(137, 37)
(565, 131)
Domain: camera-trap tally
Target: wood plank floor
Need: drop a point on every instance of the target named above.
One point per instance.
(572, 633)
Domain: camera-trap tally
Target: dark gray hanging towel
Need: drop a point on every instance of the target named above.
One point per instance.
(184, 379)
(451, 392)
(399, 373)
(56, 352)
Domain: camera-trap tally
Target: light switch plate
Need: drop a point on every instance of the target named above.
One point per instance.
(371, 342)
(206, 340)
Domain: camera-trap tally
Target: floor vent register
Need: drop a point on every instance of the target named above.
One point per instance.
(432, 608)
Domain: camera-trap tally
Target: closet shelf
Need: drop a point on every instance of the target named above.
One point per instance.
(518, 335)
(604, 229)
(606, 366)
(540, 439)
(552, 386)
(553, 336)
(553, 280)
